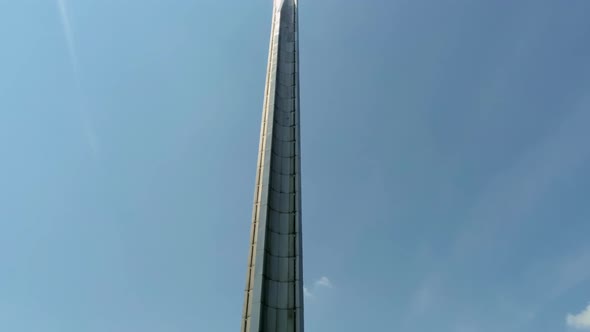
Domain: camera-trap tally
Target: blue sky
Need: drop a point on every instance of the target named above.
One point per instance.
(445, 158)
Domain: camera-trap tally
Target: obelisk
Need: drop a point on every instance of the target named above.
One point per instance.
(274, 286)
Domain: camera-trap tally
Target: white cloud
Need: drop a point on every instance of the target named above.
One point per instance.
(579, 321)
(323, 282)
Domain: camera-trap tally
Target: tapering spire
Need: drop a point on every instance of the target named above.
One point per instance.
(274, 286)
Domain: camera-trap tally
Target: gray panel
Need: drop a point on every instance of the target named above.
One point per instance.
(291, 320)
(284, 268)
(284, 202)
(291, 245)
(285, 184)
(284, 222)
(282, 300)
(291, 270)
(274, 215)
(282, 320)
(287, 167)
(275, 267)
(271, 319)
(291, 295)
(272, 293)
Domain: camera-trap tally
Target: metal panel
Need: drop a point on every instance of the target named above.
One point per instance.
(282, 300)
(282, 320)
(271, 319)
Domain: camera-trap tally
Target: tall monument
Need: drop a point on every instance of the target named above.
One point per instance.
(274, 286)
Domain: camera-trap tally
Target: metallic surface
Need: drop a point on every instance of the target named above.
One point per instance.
(274, 287)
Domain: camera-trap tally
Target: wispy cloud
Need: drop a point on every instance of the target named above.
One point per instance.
(423, 298)
(515, 196)
(506, 206)
(516, 193)
(87, 126)
(569, 271)
(579, 321)
(422, 301)
(65, 22)
(323, 282)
